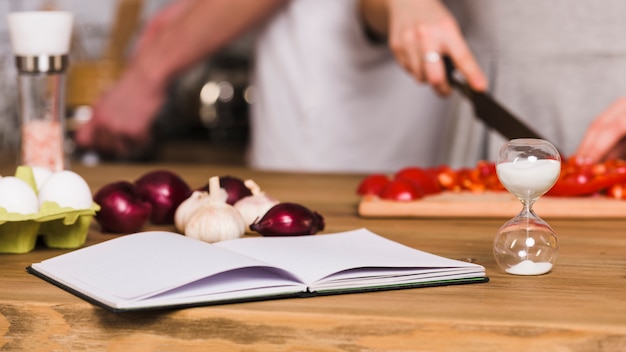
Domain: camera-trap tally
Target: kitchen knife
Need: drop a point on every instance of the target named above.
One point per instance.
(489, 111)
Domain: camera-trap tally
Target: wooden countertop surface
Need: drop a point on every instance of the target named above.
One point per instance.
(579, 306)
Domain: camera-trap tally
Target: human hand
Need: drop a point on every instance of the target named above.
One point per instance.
(121, 123)
(604, 138)
(122, 119)
(420, 33)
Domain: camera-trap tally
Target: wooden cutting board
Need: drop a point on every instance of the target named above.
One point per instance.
(492, 204)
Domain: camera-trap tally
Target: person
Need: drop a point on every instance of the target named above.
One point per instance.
(419, 33)
(605, 138)
(179, 35)
(331, 99)
(327, 98)
(556, 64)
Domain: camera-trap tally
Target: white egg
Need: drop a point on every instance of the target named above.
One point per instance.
(67, 189)
(41, 175)
(16, 196)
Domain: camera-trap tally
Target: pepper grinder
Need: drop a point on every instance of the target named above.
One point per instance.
(41, 43)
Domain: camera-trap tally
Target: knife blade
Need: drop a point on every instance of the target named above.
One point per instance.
(487, 109)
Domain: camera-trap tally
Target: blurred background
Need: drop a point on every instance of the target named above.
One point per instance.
(206, 115)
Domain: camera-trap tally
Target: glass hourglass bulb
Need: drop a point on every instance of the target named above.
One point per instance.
(527, 245)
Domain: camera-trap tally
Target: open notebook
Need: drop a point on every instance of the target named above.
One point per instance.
(156, 269)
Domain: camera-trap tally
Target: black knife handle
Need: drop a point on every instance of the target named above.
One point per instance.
(453, 81)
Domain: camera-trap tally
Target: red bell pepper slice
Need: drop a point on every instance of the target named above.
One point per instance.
(586, 179)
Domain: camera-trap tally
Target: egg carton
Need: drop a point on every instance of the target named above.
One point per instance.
(59, 227)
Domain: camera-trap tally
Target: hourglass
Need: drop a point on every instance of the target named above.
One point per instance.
(527, 245)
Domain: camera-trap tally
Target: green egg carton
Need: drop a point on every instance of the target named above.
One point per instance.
(59, 227)
(18, 236)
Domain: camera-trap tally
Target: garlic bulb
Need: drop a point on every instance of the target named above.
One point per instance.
(255, 206)
(186, 209)
(215, 220)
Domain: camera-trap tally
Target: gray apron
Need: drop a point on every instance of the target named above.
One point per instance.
(556, 64)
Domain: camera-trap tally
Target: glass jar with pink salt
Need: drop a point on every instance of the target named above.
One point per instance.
(40, 41)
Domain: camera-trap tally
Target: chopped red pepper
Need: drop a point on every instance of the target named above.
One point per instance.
(448, 178)
(578, 177)
(422, 179)
(372, 184)
(401, 190)
(617, 191)
(582, 179)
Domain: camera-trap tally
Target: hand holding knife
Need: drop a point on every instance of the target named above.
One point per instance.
(488, 110)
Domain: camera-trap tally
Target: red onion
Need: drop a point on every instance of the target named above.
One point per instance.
(165, 190)
(121, 208)
(235, 188)
(289, 219)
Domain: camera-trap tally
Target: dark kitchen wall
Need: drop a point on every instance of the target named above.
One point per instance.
(211, 100)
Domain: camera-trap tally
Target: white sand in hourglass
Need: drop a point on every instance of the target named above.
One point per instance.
(528, 267)
(529, 179)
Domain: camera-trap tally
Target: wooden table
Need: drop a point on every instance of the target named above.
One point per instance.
(579, 306)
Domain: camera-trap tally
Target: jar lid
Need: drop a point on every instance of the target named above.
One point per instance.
(40, 33)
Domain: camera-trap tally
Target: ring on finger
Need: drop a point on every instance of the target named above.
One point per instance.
(432, 57)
